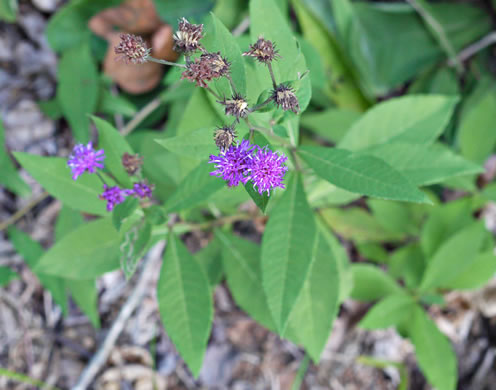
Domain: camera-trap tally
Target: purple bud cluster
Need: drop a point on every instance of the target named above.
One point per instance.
(244, 162)
(86, 159)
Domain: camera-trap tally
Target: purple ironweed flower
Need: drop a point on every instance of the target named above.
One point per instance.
(267, 170)
(85, 158)
(132, 49)
(141, 190)
(113, 195)
(233, 164)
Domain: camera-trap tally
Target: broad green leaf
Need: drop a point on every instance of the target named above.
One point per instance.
(268, 21)
(198, 144)
(115, 145)
(444, 221)
(9, 177)
(321, 193)
(365, 175)
(315, 310)
(8, 10)
(394, 216)
(172, 10)
(373, 252)
(389, 311)
(358, 225)
(371, 283)
(133, 246)
(68, 27)
(55, 176)
(210, 258)
(424, 164)
(185, 303)
(241, 262)
(476, 274)
(7, 275)
(77, 91)
(85, 253)
(418, 119)
(31, 251)
(287, 245)
(124, 210)
(196, 187)
(453, 257)
(407, 263)
(85, 294)
(67, 220)
(260, 200)
(433, 350)
(115, 104)
(477, 129)
(331, 124)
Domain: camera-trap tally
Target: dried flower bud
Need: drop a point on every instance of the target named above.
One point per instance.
(205, 68)
(263, 51)
(285, 98)
(186, 39)
(132, 163)
(236, 106)
(224, 137)
(133, 49)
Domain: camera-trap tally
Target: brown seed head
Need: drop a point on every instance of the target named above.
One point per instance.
(132, 163)
(224, 137)
(263, 51)
(205, 68)
(187, 37)
(132, 49)
(285, 98)
(236, 106)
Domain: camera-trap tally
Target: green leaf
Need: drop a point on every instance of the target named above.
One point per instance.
(85, 294)
(434, 352)
(55, 176)
(67, 220)
(389, 311)
(185, 303)
(133, 246)
(115, 145)
(115, 104)
(9, 177)
(371, 283)
(315, 310)
(477, 129)
(394, 216)
(287, 245)
(210, 258)
(77, 91)
(8, 10)
(408, 263)
(31, 251)
(7, 275)
(418, 119)
(481, 269)
(241, 262)
(331, 124)
(172, 10)
(195, 189)
(261, 201)
(124, 210)
(68, 27)
(424, 164)
(85, 253)
(197, 144)
(358, 225)
(453, 257)
(365, 175)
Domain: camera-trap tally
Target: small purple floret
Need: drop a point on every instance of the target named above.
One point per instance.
(140, 190)
(233, 164)
(113, 195)
(85, 158)
(267, 170)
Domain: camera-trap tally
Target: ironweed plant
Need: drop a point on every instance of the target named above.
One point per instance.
(238, 144)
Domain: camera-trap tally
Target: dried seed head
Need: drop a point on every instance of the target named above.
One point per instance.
(236, 106)
(186, 39)
(224, 137)
(132, 49)
(132, 163)
(285, 98)
(263, 51)
(205, 68)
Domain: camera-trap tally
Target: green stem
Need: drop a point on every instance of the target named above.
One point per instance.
(25, 379)
(165, 62)
(271, 71)
(259, 106)
(268, 133)
(213, 93)
(233, 87)
(300, 375)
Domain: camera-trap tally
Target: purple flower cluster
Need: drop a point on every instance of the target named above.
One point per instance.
(85, 159)
(245, 162)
